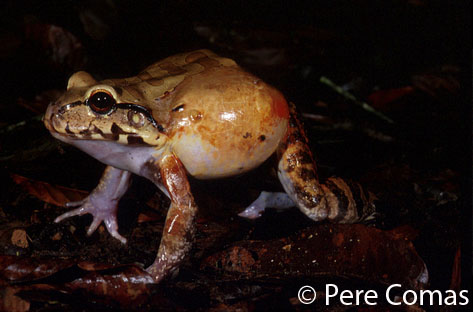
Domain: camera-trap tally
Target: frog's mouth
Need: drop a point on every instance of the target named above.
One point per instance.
(95, 134)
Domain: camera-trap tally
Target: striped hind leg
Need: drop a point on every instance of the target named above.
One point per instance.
(337, 200)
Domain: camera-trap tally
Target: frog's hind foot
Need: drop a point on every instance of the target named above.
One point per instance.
(278, 200)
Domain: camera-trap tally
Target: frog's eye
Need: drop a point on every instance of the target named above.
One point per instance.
(101, 102)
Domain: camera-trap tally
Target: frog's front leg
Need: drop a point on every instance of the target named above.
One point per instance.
(179, 227)
(102, 203)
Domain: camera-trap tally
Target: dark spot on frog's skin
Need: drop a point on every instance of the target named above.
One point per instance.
(304, 157)
(85, 133)
(116, 129)
(135, 140)
(247, 135)
(262, 138)
(118, 90)
(356, 191)
(307, 175)
(341, 199)
(108, 136)
(309, 200)
(68, 130)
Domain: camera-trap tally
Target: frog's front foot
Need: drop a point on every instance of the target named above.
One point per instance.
(102, 203)
(101, 208)
(265, 200)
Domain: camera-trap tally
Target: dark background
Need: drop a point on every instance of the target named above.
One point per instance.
(369, 45)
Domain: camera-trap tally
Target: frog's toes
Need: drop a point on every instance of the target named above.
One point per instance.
(112, 227)
(110, 221)
(101, 210)
(76, 212)
(76, 203)
(265, 200)
(252, 212)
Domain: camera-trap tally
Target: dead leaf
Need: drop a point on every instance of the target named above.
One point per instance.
(14, 268)
(56, 195)
(12, 303)
(385, 100)
(347, 251)
(19, 238)
(125, 284)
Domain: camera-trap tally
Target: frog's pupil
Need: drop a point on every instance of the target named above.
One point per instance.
(101, 102)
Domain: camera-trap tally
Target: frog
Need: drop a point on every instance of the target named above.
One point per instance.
(193, 114)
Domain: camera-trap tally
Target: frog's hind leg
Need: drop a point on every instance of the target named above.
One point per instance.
(336, 200)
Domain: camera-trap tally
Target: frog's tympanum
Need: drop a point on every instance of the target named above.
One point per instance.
(194, 114)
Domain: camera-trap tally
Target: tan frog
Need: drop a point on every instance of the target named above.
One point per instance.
(192, 114)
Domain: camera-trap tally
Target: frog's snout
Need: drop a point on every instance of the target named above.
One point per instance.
(47, 117)
(51, 116)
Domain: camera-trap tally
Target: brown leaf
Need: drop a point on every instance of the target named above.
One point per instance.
(10, 302)
(148, 216)
(19, 238)
(56, 195)
(346, 251)
(27, 269)
(385, 100)
(127, 285)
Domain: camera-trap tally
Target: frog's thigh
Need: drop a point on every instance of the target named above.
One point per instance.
(297, 171)
(337, 200)
(179, 226)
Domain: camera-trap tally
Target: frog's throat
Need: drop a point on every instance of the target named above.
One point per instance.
(125, 157)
